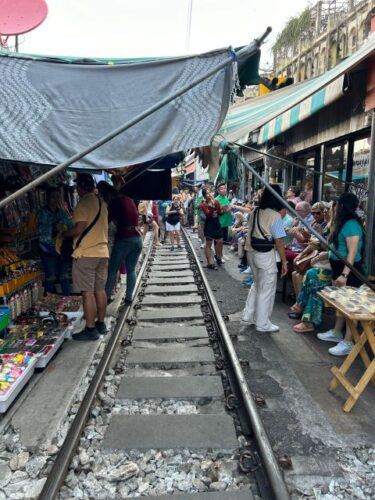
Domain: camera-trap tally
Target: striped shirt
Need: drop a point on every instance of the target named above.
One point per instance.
(277, 229)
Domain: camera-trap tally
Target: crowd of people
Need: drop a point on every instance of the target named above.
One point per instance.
(269, 239)
(104, 239)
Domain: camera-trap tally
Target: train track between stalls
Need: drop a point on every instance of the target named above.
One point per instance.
(168, 413)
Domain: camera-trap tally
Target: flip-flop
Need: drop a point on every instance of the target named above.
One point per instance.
(302, 330)
(294, 309)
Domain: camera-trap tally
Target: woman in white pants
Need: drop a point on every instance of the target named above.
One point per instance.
(265, 236)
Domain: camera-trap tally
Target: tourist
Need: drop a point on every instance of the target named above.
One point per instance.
(226, 218)
(265, 233)
(293, 194)
(300, 234)
(128, 241)
(212, 229)
(149, 217)
(162, 217)
(348, 240)
(173, 222)
(117, 181)
(90, 256)
(52, 220)
(237, 230)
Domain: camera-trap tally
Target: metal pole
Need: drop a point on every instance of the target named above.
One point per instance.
(296, 214)
(274, 474)
(370, 229)
(246, 51)
(57, 474)
(188, 27)
(294, 164)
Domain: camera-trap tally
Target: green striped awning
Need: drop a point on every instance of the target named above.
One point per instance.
(282, 109)
(302, 110)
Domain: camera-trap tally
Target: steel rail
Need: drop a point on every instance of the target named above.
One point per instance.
(246, 51)
(274, 474)
(58, 472)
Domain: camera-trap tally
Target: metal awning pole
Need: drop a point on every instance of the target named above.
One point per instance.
(370, 228)
(246, 51)
(296, 214)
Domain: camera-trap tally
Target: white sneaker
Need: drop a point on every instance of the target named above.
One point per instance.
(330, 336)
(270, 329)
(222, 260)
(343, 348)
(202, 245)
(246, 271)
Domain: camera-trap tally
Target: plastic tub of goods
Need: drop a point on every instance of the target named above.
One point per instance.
(15, 371)
(49, 351)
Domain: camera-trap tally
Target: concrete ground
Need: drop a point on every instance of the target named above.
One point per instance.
(292, 372)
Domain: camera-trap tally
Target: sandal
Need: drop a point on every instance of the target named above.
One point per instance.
(295, 308)
(302, 328)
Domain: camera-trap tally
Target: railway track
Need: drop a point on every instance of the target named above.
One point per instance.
(168, 411)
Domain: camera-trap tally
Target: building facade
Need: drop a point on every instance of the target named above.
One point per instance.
(334, 29)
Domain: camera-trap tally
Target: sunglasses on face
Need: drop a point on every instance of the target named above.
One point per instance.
(316, 213)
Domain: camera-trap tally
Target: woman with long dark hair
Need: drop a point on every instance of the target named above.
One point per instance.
(349, 240)
(265, 236)
(52, 220)
(212, 229)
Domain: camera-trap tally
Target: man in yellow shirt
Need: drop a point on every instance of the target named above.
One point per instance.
(90, 256)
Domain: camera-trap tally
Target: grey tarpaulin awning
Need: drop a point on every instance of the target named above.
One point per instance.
(49, 110)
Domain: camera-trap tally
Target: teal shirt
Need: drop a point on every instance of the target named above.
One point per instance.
(225, 219)
(351, 228)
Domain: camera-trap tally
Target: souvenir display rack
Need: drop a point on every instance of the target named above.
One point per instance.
(32, 327)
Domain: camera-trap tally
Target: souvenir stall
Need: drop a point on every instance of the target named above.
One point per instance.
(33, 325)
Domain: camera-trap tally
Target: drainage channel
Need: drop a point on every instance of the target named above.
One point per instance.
(166, 420)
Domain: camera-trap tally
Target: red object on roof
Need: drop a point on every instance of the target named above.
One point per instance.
(21, 16)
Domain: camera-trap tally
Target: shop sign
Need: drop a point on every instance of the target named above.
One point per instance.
(361, 163)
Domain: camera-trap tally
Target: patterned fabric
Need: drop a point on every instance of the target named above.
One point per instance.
(44, 103)
(47, 221)
(314, 280)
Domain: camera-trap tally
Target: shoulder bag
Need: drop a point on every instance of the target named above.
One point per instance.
(304, 264)
(67, 247)
(260, 244)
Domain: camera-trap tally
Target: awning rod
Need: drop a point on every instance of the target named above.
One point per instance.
(246, 51)
(294, 164)
(323, 241)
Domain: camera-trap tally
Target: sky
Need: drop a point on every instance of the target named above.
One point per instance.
(135, 28)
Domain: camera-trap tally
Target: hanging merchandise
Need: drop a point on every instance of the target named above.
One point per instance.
(20, 282)
(228, 170)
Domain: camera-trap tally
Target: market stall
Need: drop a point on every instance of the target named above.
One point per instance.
(33, 325)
